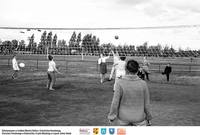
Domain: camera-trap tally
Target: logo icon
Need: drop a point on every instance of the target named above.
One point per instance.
(95, 131)
(121, 131)
(111, 131)
(84, 131)
(103, 131)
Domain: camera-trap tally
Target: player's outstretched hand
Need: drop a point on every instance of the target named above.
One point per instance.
(59, 73)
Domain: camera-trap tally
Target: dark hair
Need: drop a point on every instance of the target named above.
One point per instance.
(123, 57)
(50, 57)
(132, 66)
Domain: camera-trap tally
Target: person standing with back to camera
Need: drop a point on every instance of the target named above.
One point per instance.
(131, 100)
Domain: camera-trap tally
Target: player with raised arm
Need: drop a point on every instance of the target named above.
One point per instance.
(103, 66)
(115, 60)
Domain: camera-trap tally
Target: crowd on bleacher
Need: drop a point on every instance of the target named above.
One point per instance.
(5, 50)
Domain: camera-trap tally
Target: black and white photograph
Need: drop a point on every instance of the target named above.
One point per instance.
(100, 63)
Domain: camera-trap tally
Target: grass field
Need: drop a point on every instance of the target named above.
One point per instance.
(80, 99)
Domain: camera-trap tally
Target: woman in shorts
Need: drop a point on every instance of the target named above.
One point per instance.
(51, 73)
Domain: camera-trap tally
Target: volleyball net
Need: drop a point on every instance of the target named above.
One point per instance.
(160, 41)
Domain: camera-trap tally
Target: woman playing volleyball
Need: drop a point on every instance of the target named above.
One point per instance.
(103, 66)
(15, 67)
(51, 73)
(131, 100)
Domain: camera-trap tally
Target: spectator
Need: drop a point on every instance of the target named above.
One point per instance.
(167, 71)
(131, 100)
(141, 73)
(145, 67)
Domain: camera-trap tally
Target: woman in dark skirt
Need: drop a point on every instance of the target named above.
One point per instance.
(103, 66)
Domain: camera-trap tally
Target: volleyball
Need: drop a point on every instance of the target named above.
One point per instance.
(116, 37)
(21, 65)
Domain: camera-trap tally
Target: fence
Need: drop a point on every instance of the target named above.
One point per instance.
(74, 64)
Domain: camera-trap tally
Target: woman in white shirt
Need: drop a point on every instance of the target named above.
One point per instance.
(103, 66)
(15, 67)
(51, 73)
(120, 67)
(115, 60)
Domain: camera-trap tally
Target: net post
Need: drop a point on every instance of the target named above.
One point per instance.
(190, 66)
(82, 56)
(37, 64)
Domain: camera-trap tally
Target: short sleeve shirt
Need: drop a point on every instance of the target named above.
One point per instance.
(14, 64)
(52, 66)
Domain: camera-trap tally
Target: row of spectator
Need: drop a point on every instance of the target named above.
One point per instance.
(127, 52)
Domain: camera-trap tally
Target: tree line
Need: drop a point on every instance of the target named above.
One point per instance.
(89, 45)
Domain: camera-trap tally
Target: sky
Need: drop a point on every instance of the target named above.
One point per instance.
(106, 13)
